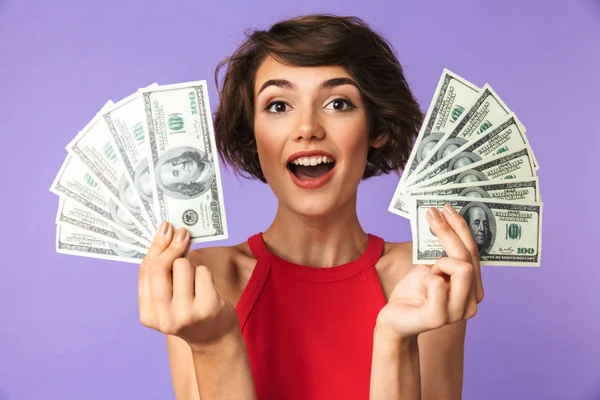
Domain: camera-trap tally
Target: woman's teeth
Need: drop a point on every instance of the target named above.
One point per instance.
(312, 161)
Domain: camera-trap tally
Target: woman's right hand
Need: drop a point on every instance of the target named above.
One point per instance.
(177, 298)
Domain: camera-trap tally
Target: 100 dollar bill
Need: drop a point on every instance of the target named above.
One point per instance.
(183, 159)
(506, 233)
(526, 190)
(487, 111)
(514, 165)
(125, 121)
(452, 96)
(506, 137)
(75, 181)
(76, 241)
(74, 214)
(94, 145)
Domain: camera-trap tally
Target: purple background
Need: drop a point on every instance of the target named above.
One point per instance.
(69, 326)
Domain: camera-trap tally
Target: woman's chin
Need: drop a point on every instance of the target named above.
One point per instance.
(314, 211)
(314, 208)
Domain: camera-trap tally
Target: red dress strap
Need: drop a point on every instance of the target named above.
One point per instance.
(254, 285)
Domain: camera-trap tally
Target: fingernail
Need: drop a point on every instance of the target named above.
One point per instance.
(433, 213)
(181, 235)
(163, 228)
(449, 210)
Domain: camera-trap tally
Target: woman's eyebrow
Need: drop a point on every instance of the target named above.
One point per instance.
(331, 83)
(328, 84)
(282, 83)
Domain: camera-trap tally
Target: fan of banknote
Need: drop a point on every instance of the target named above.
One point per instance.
(472, 153)
(147, 158)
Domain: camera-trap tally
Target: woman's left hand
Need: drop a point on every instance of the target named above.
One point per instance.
(429, 297)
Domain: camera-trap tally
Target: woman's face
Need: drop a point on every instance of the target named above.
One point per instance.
(301, 109)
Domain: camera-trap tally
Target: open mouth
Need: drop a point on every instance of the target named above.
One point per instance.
(307, 168)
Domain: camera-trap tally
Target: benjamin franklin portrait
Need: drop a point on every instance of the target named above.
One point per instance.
(184, 172)
(427, 145)
(449, 147)
(120, 215)
(470, 175)
(143, 182)
(128, 196)
(462, 159)
(482, 224)
(121, 250)
(474, 191)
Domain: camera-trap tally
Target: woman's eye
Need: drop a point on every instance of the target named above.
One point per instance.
(340, 105)
(277, 107)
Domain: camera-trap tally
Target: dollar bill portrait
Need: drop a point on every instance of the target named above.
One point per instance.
(470, 176)
(463, 159)
(143, 182)
(482, 223)
(474, 191)
(184, 172)
(128, 196)
(123, 251)
(427, 145)
(450, 146)
(120, 215)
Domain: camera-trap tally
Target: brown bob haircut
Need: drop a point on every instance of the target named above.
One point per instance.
(319, 40)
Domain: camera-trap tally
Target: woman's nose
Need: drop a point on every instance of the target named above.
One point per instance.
(309, 127)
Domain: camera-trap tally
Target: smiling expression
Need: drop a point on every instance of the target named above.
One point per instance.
(318, 110)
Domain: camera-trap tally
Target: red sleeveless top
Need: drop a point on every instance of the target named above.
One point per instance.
(309, 331)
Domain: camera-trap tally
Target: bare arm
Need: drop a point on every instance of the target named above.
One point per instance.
(395, 368)
(432, 305)
(219, 370)
(181, 301)
(430, 368)
(441, 357)
(223, 369)
(183, 375)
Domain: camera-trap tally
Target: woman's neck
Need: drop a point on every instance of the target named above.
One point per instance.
(324, 241)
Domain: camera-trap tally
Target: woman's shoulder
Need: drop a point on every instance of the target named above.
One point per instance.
(231, 267)
(394, 263)
(223, 256)
(398, 254)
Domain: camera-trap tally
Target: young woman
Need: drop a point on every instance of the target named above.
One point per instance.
(314, 307)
